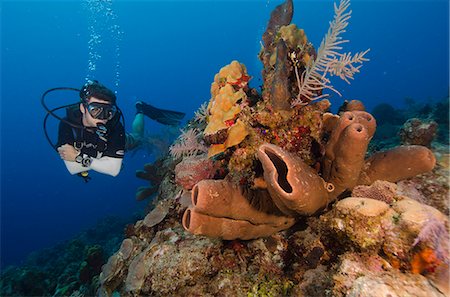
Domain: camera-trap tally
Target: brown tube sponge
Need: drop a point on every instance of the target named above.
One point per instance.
(227, 228)
(367, 120)
(220, 198)
(294, 186)
(396, 164)
(344, 120)
(354, 105)
(350, 151)
(347, 118)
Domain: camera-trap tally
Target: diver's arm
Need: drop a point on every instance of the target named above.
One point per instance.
(107, 165)
(74, 167)
(68, 154)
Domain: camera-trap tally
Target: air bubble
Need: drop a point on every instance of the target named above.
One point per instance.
(103, 30)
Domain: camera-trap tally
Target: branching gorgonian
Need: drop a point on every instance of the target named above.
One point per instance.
(329, 60)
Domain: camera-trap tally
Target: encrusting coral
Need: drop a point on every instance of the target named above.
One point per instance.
(224, 129)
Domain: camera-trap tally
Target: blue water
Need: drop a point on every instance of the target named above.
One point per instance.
(169, 53)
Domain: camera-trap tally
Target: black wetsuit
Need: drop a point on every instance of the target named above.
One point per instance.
(112, 144)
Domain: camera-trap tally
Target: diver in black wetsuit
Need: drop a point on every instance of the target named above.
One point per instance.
(100, 142)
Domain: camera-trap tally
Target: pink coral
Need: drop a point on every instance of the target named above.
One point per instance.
(194, 169)
(188, 144)
(379, 190)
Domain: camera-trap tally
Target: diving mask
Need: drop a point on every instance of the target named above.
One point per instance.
(101, 111)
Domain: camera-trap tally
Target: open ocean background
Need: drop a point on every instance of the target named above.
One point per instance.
(167, 53)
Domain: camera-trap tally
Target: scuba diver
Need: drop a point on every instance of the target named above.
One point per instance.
(92, 137)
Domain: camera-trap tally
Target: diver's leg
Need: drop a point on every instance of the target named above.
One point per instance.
(138, 127)
(134, 139)
(131, 142)
(163, 116)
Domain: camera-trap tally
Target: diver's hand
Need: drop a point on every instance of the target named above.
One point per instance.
(68, 152)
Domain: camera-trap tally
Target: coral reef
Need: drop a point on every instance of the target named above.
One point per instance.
(370, 226)
(296, 188)
(432, 188)
(419, 123)
(368, 275)
(70, 268)
(441, 115)
(415, 131)
(386, 114)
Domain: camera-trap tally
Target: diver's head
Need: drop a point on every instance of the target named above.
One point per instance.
(98, 104)
(95, 89)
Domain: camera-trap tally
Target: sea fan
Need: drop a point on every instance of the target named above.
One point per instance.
(344, 67)
(187, 144)
(329, 60)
